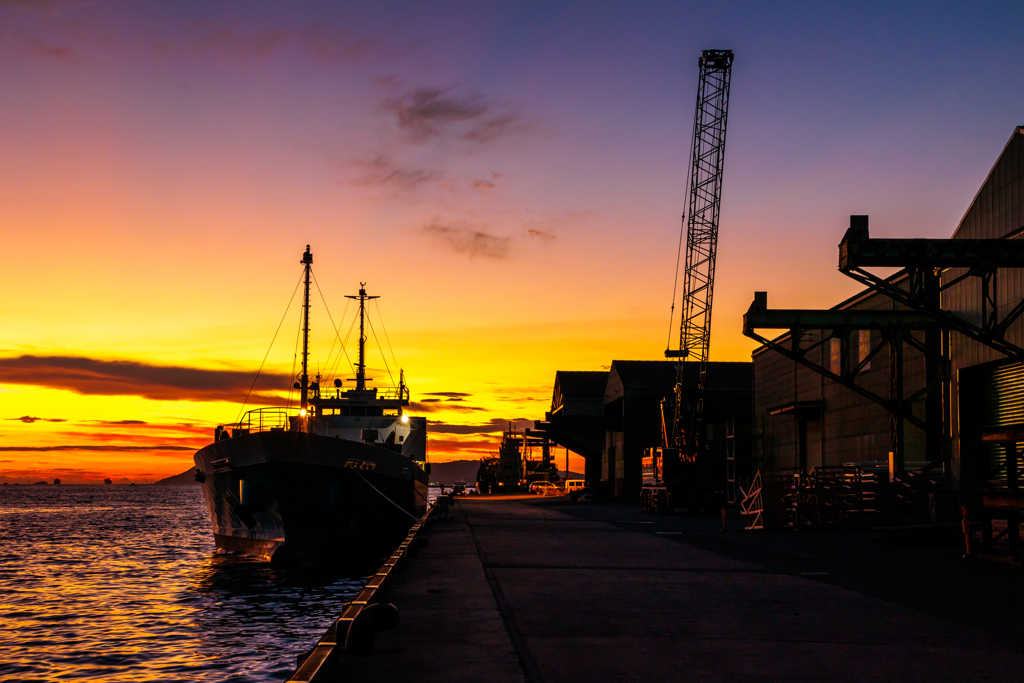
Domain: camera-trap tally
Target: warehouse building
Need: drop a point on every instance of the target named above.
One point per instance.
(917, 383)
(611, 418)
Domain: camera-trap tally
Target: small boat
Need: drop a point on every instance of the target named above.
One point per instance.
(343, 474)
(107, 482)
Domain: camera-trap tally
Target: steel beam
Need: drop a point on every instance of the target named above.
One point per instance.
(895, 326)
(922, 258)
(858, 250)
(759, 317)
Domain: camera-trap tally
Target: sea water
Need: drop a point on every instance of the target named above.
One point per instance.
(119, 583)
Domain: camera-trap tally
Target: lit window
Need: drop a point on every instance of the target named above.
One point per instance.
(836, 356)
(864, 347)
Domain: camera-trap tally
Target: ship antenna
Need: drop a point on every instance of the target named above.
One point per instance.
(361, 365)
(361, 375)
(307, 260)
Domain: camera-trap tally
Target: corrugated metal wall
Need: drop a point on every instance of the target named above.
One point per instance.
(997, 391)
(997, 212)
(852, 429)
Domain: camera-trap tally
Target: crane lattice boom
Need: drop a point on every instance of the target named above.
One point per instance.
(701, 242)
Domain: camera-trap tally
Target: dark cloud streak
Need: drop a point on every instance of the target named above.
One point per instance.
(494, 426)
(80, 447)
(428, 113)
(427, 406)
(130, 378)
(382, 171)
(469, 241)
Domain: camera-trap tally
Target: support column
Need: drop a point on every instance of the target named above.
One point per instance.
(896, 396)
(935, 372)
(1013, 516)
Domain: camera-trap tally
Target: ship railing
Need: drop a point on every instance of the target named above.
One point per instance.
(265, 420)
(393, 393)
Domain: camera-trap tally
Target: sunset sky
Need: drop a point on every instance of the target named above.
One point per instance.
(509, 178)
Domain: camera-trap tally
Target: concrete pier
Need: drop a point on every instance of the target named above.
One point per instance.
(529, 589)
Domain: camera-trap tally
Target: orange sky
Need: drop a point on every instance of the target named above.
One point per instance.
(511, 184)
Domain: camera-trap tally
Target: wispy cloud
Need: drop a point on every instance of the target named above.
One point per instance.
(493, 426)
(437, 405)
(424, 114)
(448, 394)
(29, 419)
(473, 242)
(63, 55)
(226, 38)
(131, 378)
(548, 228)
(73, 31)
(383, 171)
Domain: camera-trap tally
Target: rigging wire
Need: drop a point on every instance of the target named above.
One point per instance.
(333, 326)
(383, 357)
(344, 343)
(333, 370)
(295, 359)
(327, 363)
(675, 283)
(376, 302)
(287, 308)
(682, 231)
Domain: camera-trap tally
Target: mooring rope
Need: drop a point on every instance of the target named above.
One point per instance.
(404, 511)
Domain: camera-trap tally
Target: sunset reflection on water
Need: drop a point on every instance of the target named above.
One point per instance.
(120, 583)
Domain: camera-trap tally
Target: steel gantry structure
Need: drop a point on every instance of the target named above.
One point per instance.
(928, 268)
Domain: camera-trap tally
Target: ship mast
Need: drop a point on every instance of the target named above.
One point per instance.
(307, 260)
(361, 365)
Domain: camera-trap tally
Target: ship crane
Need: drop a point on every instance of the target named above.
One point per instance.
(676, 470)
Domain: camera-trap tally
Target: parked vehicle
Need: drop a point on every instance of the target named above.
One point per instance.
(459, 489)
(545, 488)
(574, 485)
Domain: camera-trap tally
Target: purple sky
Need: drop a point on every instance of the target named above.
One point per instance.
(510, 178)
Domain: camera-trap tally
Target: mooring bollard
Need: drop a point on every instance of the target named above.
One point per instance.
(416, 545)
(362, 619)
(967, 532)
(370, 621)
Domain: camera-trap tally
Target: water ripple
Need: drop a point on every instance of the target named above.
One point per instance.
(120, 583)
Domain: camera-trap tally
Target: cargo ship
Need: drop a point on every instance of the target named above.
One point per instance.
(343, 475)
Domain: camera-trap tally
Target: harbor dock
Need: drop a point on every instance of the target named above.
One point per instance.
(521, 588)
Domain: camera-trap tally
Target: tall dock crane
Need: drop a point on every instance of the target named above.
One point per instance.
(677, 474)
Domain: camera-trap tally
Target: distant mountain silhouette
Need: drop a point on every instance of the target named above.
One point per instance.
(449, 472)
(441, 472)
(186, 478)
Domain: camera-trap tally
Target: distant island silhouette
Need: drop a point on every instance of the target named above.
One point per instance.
(441, 472)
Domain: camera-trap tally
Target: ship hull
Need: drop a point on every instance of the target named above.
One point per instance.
(295, 496)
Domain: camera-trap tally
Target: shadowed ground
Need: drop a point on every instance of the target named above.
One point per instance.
(541, 590)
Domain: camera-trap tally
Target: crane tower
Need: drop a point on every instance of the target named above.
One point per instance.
(674, 474)
(705, 185)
